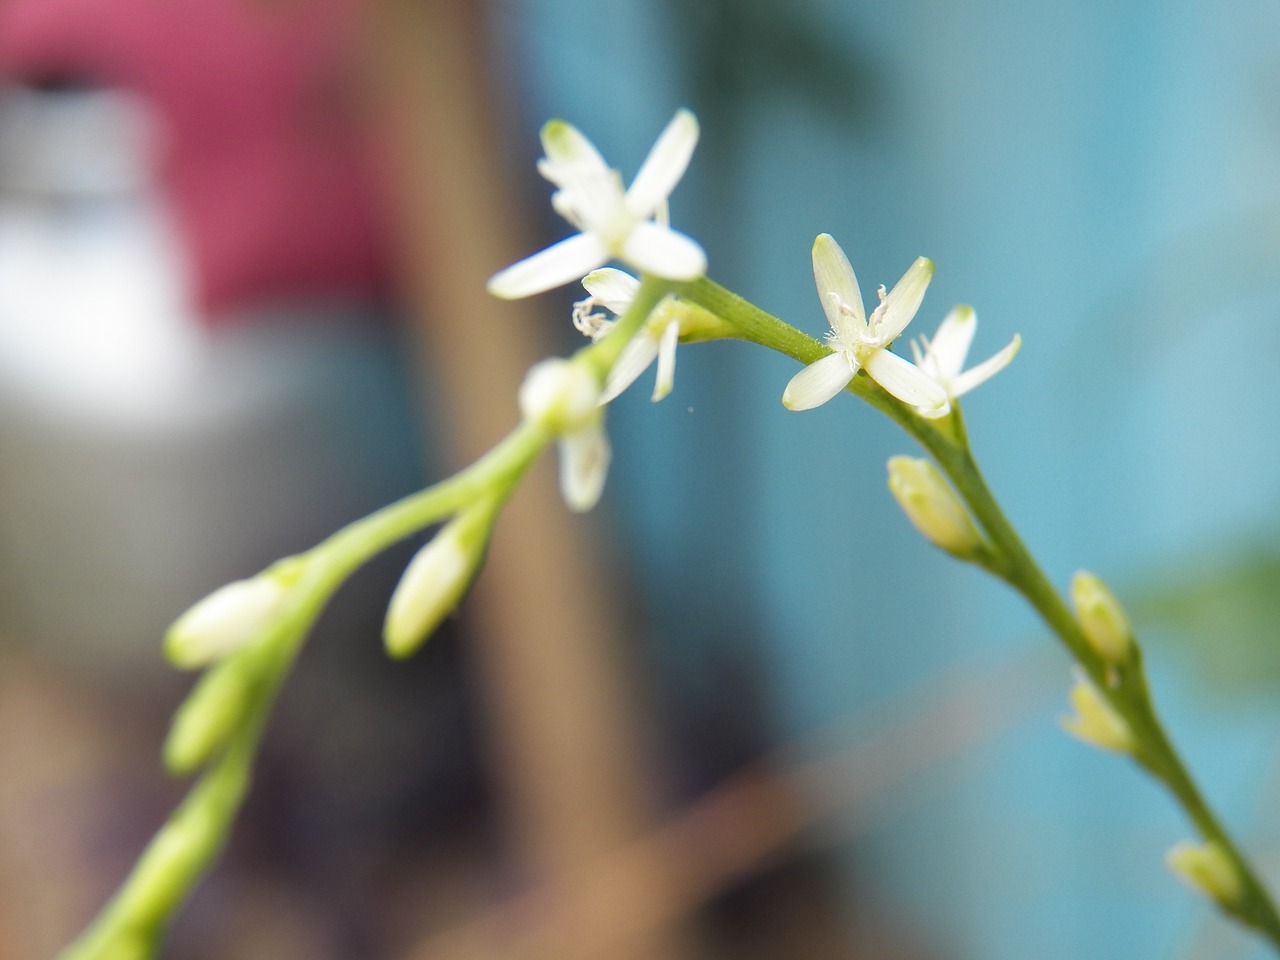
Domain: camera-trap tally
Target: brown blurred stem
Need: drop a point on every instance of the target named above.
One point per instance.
(568, 749)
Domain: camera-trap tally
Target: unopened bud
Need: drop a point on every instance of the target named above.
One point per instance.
(210, 714)
(933, 507)
(1102, 619)
(1208, 869)
(560, 396)
(1096, 721)
(226, 620)
(435, 580)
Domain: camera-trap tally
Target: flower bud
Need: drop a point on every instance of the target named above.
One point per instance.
(560, 396)
(1096, 721)
(1102, 619)
(210, 714)
(226, 620)
(697, 323)
(933, 507)
(435, 580)
(1208, 869)
(564, 398)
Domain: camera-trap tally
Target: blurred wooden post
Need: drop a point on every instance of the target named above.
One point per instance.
(566, 743)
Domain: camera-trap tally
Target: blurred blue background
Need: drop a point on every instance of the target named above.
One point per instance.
(1103, 180)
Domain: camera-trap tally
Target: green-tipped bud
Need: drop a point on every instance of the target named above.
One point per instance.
(1102, 619)
(1208, 869)
(226, 620)
(435, 580)
(933, 507)
(1095, 720)
(212, 711)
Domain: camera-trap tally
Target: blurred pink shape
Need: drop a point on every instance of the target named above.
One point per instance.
(270, 168)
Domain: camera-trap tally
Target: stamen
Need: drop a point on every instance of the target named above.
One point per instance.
(589, 323)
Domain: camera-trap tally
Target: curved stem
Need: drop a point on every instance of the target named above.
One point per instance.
(1125, 687)
(131, 925)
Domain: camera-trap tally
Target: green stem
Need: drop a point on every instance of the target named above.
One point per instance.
(134, 921)
(1008, 558)
(1126, 691)
(131, 925)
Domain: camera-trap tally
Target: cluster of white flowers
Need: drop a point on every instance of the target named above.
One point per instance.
(615, 224)
(859, 342)
(630, 225)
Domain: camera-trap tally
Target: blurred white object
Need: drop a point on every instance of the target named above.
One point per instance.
(94, 312)
(144, 459)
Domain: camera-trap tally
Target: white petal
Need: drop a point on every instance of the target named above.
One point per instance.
(907, 382)
(651, 248)
(666, 361)
(986, 369)
(569, 153)
(950, 345)
(563, 262)
(584, 463)
(819, 382)
(612, 287)
(632, 361)
(562, 203)
(903, 301)
(832, 274)
(664, 166)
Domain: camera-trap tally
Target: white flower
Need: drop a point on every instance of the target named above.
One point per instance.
(614, 224)
(657, 339)
(861, 342)
(943, 357)
(563, 398)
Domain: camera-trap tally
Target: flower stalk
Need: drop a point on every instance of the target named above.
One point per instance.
(1122, 687)
(248, 633)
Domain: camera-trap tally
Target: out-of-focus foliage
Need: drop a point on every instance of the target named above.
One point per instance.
(743, 49)
(1223, 612)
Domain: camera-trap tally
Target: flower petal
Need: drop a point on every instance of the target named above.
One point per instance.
(903, 301)
(569, 154)
(950, 345)
(570, 259)
(986, 369)
(907, 382)
(666, 361)
(819, 382)
(664, 166)
(612, 288)
(651, 248)
(833, 274)
(632, 361)
(584, 464)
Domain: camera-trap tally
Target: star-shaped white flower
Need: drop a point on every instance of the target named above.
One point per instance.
(615, 290)
(860, 342)
(614, 223)
(943, 357)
